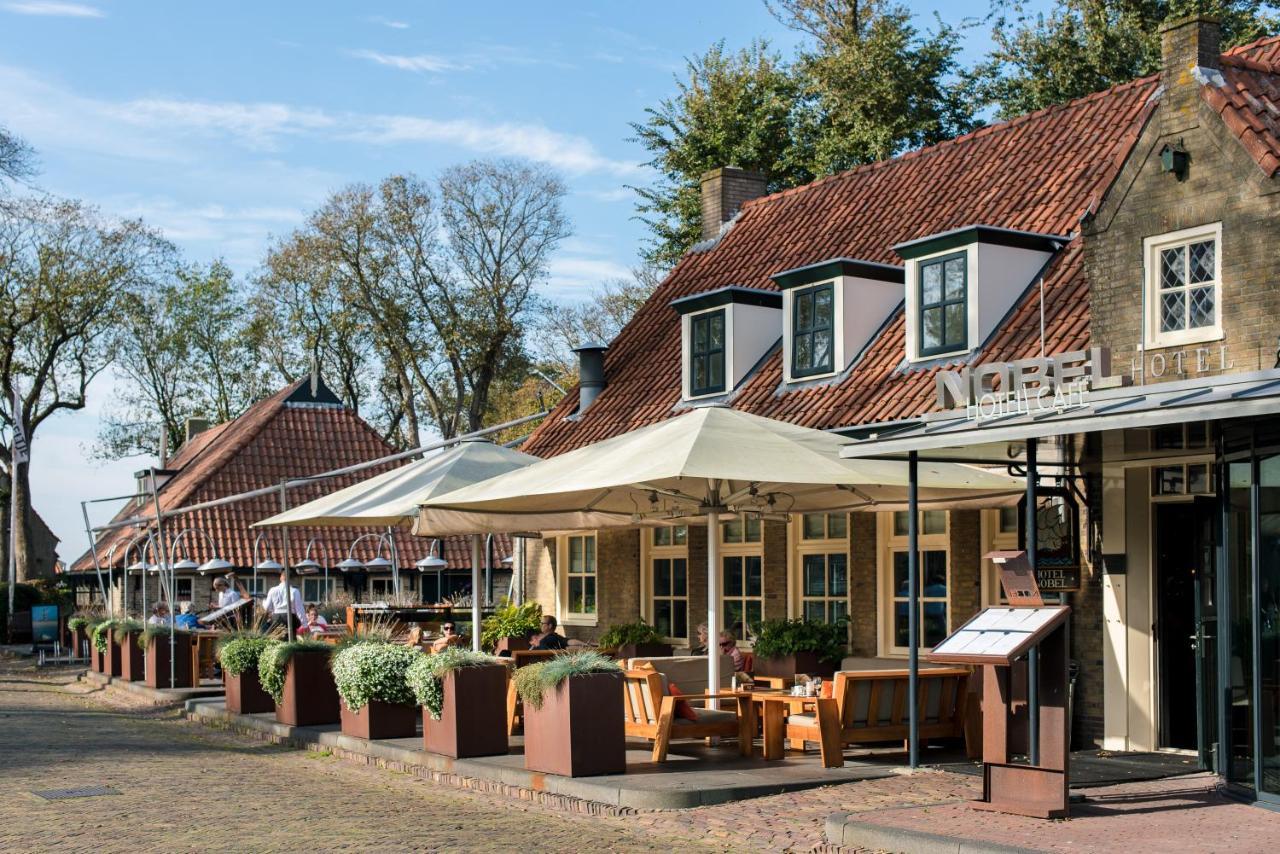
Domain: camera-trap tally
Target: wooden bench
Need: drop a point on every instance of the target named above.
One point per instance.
(522, 658)
(871, 705)
(650, 713)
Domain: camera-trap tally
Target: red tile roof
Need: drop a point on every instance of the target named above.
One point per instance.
(273, 440)
(1038, 172)
(1249, 105)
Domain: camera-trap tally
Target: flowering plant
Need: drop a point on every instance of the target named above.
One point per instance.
(373, 670)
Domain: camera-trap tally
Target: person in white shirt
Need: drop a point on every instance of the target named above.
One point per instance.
(159, 615)
(227, 595)
(277, 605)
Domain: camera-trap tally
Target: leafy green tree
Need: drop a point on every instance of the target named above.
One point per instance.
(1085, 46)
(731, 109)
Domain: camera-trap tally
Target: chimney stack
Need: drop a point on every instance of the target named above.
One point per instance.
(723, 192)
(591, 379)
(1190, 50)
(196, 426)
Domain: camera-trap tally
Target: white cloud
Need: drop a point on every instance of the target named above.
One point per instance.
(49, 8)
(386, 22)
(422, 62)
(256, 124)
(575, 277)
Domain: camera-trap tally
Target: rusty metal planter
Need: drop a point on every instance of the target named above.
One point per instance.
(245, 695)
(310, 697)
(132, 661)
(473, 715)
(78, 638)
(158, 662)
(578, 732)
(380, 720)
(111, 656)
(510, 645)
(95, 658)
(787, 666)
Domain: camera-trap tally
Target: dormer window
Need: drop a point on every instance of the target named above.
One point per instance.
(831, 311)
(961, 283)
(706, 353)
(813, 331)
(944, 313)
(724, 333)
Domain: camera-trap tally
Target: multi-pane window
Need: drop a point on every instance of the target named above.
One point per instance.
(944, 314)
(706, 353)
(676, 535)
(813, 331)
(740, 530)
(933, 599)
(317, 590)
(931, 522)
(824, 526)
(824, 593)
(1188, 286)
(580, 574)
(671, 596)
(182, 592)
(743, 595)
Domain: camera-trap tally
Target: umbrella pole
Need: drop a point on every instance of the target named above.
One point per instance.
(476, 545)
(713, 590)
(913, 609)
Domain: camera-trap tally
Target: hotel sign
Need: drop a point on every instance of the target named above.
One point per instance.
(1027, 386)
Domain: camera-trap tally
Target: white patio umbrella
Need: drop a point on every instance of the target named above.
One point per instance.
(391, 499)
(705, 463)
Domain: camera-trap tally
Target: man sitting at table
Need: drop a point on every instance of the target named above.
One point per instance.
(449, 637)
(159, 615)
(547, 638)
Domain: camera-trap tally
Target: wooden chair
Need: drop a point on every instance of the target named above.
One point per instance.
(650, 712)
(871, 705)
(521, 658)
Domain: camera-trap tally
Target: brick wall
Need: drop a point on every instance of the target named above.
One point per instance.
(774, 566)
(863, 589)
(964, 539)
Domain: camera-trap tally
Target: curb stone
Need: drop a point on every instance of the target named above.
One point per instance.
(846, 831)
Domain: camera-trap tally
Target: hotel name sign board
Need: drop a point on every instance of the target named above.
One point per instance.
(1027, 386)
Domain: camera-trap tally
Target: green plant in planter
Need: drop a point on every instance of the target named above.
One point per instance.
(240, 652)
(77, 621)
(510, 621)
(273, 662)
(780, 638)
(128, 626)
(426, 674)
(534, 680)
(373, 670)
(629, 633)
(98, 634)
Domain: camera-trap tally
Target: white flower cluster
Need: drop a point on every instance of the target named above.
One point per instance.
(373, 670)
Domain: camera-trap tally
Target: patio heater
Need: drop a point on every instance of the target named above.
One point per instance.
(187, 564)
(433, 563)
(377, 562)
(267, 564)
(310, 566)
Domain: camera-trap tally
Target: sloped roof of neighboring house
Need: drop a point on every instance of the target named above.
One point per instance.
(291, 434)
(1249, 104)
(1039, 172)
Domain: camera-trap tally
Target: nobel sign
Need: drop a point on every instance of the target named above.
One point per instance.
(1026, 386)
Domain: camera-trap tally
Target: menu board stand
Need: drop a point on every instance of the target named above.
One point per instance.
(995, 639)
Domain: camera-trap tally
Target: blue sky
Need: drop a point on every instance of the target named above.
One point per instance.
(225, 123)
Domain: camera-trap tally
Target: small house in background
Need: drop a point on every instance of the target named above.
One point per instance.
(43, 542)
(302, 430)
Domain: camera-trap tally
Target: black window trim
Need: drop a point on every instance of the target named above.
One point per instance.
(706, 317)
(830, 366)
(963, 346)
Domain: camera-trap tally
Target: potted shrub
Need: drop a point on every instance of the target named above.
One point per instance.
(573, 715)
(238, 656)
(296, 674)
(376, 699)
(111, 651)
(128, 634)
(634, 640)
(97, 633)
(463, 695)
(787, 647)
(510, 627)
(78, 625)
(155, 641)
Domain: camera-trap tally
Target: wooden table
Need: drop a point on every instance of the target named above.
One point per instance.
(776, 706)
(204, 646)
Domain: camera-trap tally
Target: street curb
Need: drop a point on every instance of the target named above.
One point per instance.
(157, 696)
(846, 831)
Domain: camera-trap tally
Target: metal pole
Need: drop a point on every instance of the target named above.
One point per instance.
(395, 560)
(518, 566)
(488, 569)
(290, 629)
(1033, 656)
(97, 567)
(713, 589)
(476, 545)
(913, 609)
(173, 641)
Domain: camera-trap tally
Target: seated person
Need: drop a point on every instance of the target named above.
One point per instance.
(729, 647)
(448, 637)
(186, 618)
(700, 648)
(224, 594)
(159, 615)
(547, 638)
(315, 623)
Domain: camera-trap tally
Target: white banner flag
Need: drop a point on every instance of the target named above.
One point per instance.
(21, 449)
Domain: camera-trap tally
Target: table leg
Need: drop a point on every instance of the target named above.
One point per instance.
(775, 717)
(746, 725)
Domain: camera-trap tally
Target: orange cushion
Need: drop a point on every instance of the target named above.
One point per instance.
(683, 709)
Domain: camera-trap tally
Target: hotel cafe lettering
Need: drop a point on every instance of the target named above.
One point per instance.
(1026, 386)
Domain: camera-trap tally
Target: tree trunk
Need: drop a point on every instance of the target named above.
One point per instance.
(22, 494)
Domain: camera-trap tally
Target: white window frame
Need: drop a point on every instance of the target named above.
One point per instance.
(837, 329)
(190, 584)
(649, 552)
(745, 549)
(563, 614)
(826, 546)
(320, 582)
(686, 352)
(995, 539)
(1153, 338)
(890, 544)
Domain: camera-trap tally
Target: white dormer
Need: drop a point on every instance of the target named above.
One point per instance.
(961, 283)
(724, 333)
(830, 311)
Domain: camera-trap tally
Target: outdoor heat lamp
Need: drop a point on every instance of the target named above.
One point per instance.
(186, 564)
(431, 562)
(269, 565)
(215, 564)
(349, 564)
(378, 563)
(306, 566)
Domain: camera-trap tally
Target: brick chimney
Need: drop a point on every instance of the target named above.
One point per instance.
(723, 192)
(1190, 50)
